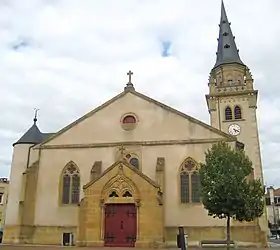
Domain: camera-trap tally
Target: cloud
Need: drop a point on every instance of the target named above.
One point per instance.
(66, 57)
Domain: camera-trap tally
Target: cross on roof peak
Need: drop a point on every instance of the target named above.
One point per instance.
(129, 73)
(122, 152)
(129, 86)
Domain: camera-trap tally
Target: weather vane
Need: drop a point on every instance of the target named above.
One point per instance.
(35, 114)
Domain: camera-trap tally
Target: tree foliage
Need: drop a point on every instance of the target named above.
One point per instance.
(225, 188)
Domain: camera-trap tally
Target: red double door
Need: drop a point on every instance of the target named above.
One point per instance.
(120, 225)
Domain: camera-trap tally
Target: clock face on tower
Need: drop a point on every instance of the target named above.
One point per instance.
(234, 129)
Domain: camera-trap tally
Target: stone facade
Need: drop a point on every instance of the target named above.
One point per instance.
(94, 147)
(4, 192)
(147, 200)
(134, 143)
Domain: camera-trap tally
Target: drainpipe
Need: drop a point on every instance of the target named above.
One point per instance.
(28, 156)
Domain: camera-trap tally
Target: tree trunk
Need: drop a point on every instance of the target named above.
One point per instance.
(228, 232)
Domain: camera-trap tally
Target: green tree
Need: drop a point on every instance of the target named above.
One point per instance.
(226, 189)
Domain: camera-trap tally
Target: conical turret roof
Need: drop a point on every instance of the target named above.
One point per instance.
(33, 135)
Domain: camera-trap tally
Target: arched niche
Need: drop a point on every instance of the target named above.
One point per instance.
(120, 187)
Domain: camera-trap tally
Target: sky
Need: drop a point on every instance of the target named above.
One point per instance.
(65, 57)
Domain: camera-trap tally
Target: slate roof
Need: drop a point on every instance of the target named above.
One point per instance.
(227, 51)
(33, 135)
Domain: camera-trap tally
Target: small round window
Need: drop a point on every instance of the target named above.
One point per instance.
(129, 122)
(129, 119)
(133, 160)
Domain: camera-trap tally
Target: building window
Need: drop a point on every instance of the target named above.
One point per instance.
(195, 178)
(185, 194)
(228, 114)
(1, 198)
(114, 194)
(133, 160)
(70, 184)
(237, 112)
(229, 82)
(129, 121)
(189, 182)
(127, 194)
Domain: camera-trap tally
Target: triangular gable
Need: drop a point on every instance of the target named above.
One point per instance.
(126, 164)
(179, 113)
(144, 97)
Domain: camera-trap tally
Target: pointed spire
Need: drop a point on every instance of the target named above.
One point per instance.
(227, 51)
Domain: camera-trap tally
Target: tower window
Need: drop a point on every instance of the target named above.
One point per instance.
(237, 112)
(228, 113)
(229, 82)
(226, 46)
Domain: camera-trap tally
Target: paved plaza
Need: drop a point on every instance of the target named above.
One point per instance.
(33, 247)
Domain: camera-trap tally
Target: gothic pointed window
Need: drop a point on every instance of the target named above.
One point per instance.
(228, 114)
(127, 194)
(185, 192)
(230, 82)
(237, 112)
(189, 182)
(70, 184)
(113, 194)
(195, 178)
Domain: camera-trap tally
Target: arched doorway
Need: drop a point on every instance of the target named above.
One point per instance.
(120, 226)
(120, 212)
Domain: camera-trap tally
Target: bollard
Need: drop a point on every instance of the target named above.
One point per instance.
(182, 239)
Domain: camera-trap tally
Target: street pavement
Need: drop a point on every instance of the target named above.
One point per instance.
(274, 243)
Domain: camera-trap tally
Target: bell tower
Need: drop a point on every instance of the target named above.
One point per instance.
(232, 98)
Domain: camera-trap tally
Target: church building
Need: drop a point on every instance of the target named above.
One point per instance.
(126, 173)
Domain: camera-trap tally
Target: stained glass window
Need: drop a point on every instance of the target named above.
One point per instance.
(195, 183)
(189, 182)
(71, 184)
(184, 188)
(66, 189)
(133, 160)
